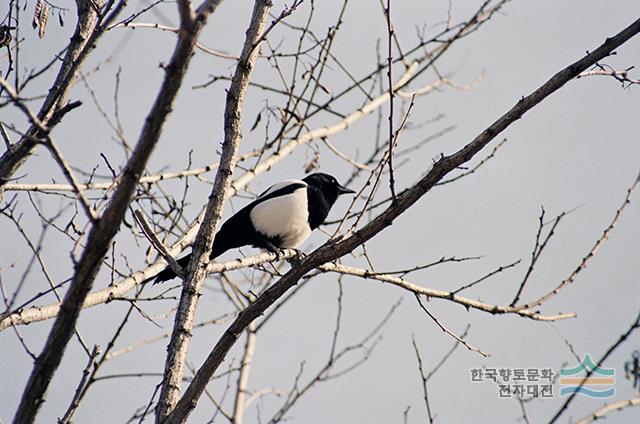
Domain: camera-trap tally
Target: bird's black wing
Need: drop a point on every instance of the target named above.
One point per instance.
(289, 188)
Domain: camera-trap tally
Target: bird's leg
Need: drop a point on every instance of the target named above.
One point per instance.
(273, 249)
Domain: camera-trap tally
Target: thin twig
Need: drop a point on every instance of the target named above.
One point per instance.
(157, 244)
(75, 401)
(487, 276)
(423, 378)
(592, 252)
(449, 332)
(634, 326)
(392, 139)
(601, 412)
(445, 295)
(537, 250)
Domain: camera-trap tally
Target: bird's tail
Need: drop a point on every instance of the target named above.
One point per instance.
(168, 274)
(220, 245)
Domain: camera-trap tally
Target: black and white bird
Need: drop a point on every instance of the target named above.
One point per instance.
(282, 217)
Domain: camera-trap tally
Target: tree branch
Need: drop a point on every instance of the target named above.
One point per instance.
(623, 337)
(82, 42)
(196, 270)
(336, 249)
(103, 231)
(601, 412)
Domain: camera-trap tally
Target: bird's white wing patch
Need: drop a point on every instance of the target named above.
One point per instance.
(278, 186)
(286, 217)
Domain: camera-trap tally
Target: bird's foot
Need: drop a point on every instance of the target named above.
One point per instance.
(299, 256)
(279, 254)
(274, 249)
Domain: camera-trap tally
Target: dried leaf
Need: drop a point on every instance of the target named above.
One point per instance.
(313, 164)
(5, 35)
(44, 16)
(256, 122)
(60, 20)
(36, 14)
(40, 17)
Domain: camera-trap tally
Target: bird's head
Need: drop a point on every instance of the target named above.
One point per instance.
(327, 185)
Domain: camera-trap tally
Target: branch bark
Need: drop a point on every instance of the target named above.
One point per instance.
(81, 44)
(601, 413)
(445, 295)
(623, 337)
(103, 231)
(197, 268)
(335, 249)
(41, 313)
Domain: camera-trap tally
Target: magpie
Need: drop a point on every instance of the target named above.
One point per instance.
(282, 217)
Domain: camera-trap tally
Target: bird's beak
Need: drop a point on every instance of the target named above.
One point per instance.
(344, 190)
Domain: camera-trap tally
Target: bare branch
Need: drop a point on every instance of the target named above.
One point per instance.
(148, 232)
(287, 11)
(585, 260)
(601, 412)
(622, 76)
(392, 138)
(405, 200)
(48, 141)
(439, 294)
(476, 167)
(5, 137)
(487, 276)
(634, 326)
(75, 402)
(199, 45)
(25, 316)
(86, 34)
(423, 378)
(102, 231)
(195, 273)
(537, 251)
(449, 332)
(240, 403)
(110, 185)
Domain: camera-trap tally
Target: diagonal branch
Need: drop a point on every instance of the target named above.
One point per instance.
(623, 337)
(48, 141)
(156, 243)
(423, 379)
(336, 249)
(457, 338)
(103, 231)
(82, 43)
(196, 270)
(24, 316)
(601, 413)
(537, 251)
(586, 259)
(440, 294)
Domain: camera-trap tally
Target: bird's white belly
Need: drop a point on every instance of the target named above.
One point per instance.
(286, 217)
